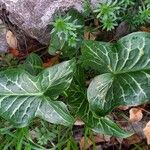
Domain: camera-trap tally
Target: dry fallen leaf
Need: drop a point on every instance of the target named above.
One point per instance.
(145, 29)
(87, 143)
(14, 52)
(135, 138)
(146, 131)
(11, 40)
(86, 35)
(51, 62)
(92, 36)
(96, 22)
(123, 107)
(79, 122)
(135, 114)
(89, 36)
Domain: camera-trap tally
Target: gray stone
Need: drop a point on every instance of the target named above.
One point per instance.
(34, 16)
(3, 42)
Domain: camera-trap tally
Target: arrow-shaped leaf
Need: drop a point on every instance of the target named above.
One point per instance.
(77, 100)
(24, 97)
(33, 64)
(104, 125)
(125, 68)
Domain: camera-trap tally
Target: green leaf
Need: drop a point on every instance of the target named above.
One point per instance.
(56, 44)
(76, 94)
(24, 97)
(68, 46)
(125, 68)
(104, 125)
(76, 15)
(77, 100)
(33, 64)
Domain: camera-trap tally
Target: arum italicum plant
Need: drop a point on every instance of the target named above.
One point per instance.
(124, 69)
(24, 97)
(124, 79)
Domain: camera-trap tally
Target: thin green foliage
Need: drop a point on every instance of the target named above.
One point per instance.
(111, 12)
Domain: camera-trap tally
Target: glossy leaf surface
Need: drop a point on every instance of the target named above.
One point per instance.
(78, 104)
(125, 72)
(24, 97)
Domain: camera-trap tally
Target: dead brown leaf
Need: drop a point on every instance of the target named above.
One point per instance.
(51, 62)
(14, 52)
(146, 131)
(92, 36)
(86, 35)
(135, 114)
(89, 36)
(11, 40)
(96, 22)
(145, 29)
(87, 143)
(79, 122)
(123, 107)
(135, 138)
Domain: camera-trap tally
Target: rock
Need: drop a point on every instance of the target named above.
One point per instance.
(3, 42)
(34, 16)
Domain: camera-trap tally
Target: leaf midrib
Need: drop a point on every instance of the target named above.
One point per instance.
(130, 71)
(30, 94)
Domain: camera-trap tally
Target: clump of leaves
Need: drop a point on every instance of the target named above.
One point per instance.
(44, 135)
(67, 33)
(107, 13)
(111, 12)
(79, 106)
(7, 61)
(24, 96)
(66, 30)
(143, 15)
(125, 72)
(87, 8)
